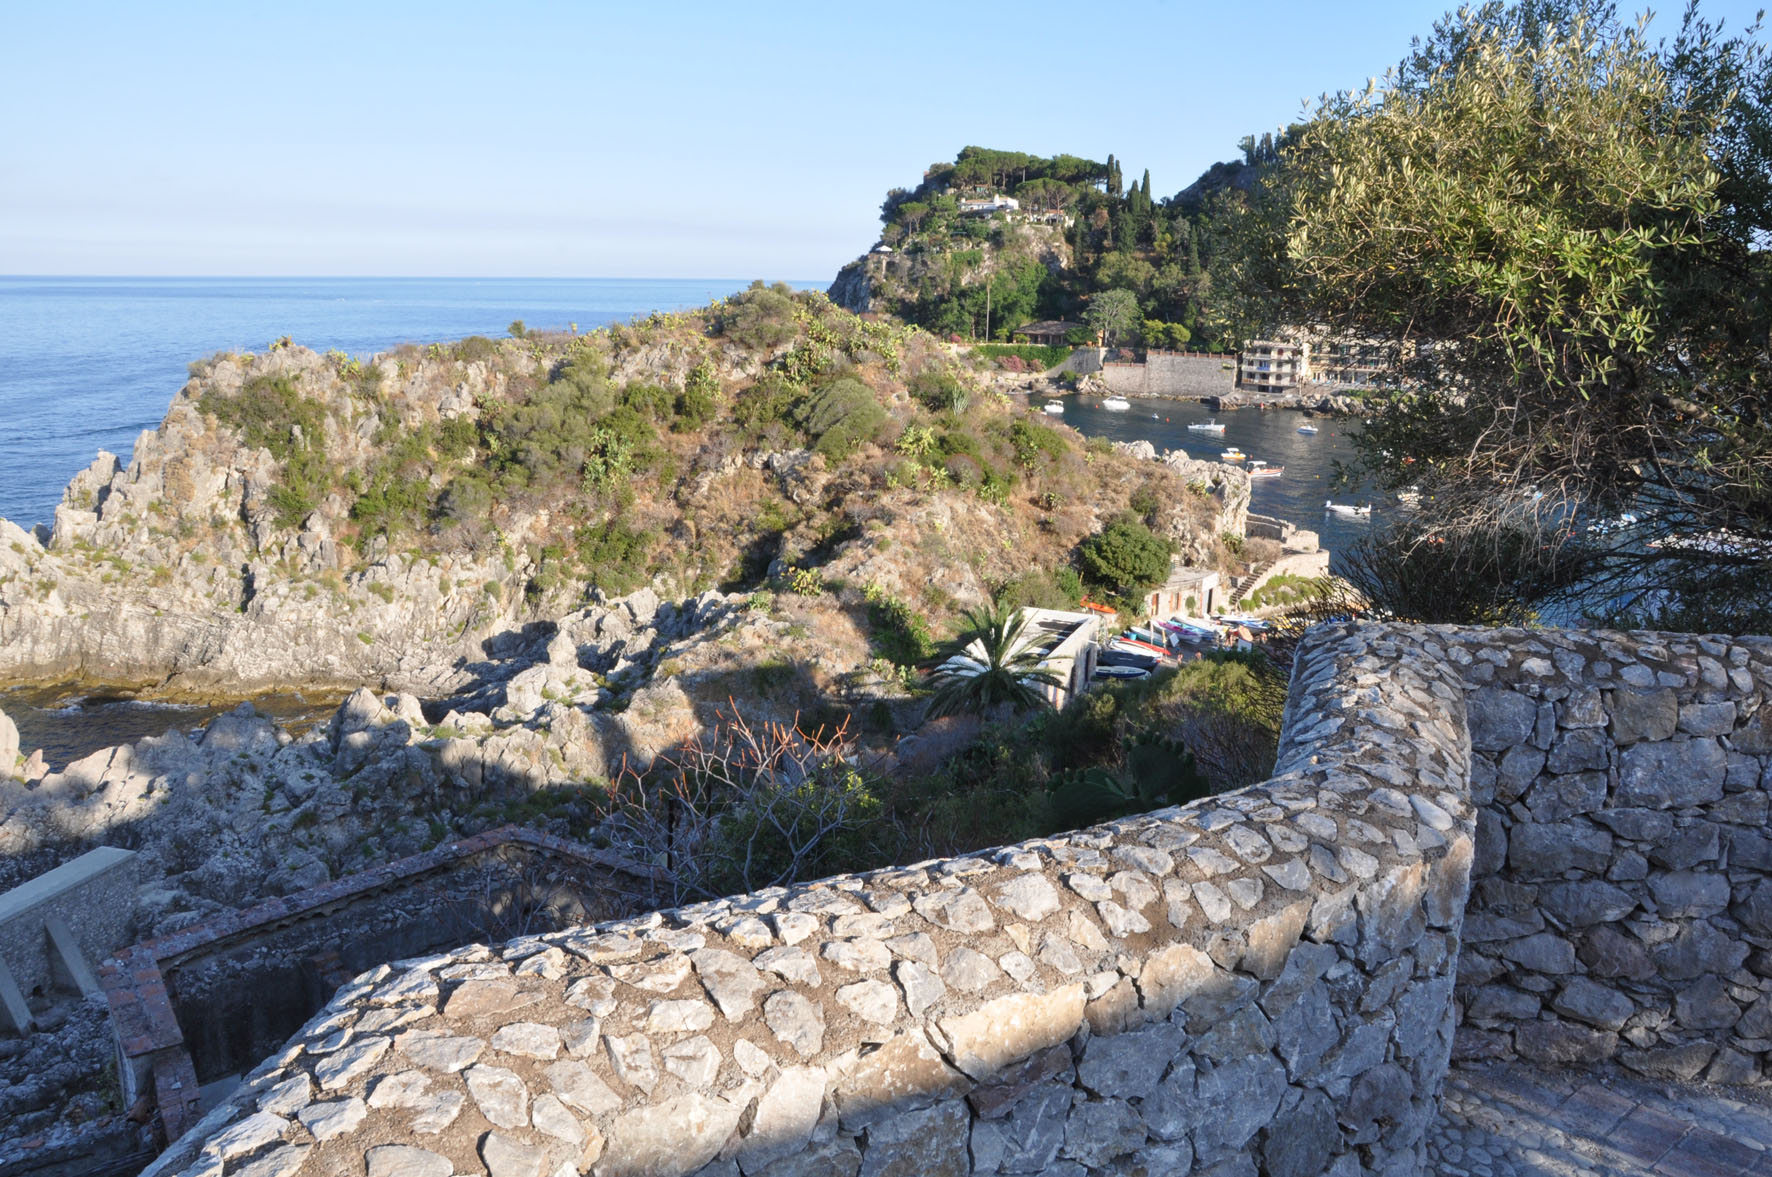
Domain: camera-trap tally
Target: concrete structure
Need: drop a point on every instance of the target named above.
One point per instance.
(1560, 835)
(1172, 373)
(1189, 592)
(59, 925)
(1273, 365)
(1066, 642)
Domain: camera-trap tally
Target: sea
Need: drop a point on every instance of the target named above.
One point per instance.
(1313, 465)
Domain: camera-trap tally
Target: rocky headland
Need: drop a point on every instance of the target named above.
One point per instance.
(542, 559)
(530, 563)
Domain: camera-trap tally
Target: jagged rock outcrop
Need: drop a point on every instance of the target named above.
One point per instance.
(1226, 485)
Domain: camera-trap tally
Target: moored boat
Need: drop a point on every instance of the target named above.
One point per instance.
(1307, 429)
(1346, 508)
(1116, 404)
(1207, 427)
(1056, 408)
(1260, 469)
(1233, 455)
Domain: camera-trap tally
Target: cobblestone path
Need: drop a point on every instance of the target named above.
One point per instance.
(1517, 1120)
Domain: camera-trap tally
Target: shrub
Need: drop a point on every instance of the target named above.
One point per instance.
(940, 391)
(1033, 442)
(1125, 556)
(761, 317)
(699, 398)
(841, 416)
(901, 635)
(270, 413)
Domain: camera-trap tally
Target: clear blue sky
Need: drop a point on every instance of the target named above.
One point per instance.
(596, 140)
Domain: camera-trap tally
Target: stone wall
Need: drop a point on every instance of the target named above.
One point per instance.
(1623, 902)
(1173, 374)
(1260, 981)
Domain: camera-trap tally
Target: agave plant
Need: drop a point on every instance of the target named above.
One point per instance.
(994, 661)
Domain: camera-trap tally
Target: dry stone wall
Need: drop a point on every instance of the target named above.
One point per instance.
(1260, 982)
(1623, 902)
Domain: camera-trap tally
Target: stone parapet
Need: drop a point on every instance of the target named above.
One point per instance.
(1261, 980)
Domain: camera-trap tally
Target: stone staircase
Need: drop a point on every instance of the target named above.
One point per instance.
(1242, 586)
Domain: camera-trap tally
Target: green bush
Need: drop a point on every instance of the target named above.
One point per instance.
(1037, 355)
(901, 634)
(940, 391)
(614, 555)
(699, 399)
(270, 413)
(1033, 442)
(761, 317)
(1125, 556)
(841, 416)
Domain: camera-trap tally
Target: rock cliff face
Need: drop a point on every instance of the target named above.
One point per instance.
(892, 283)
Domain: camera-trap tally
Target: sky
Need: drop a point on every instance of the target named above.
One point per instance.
(561, 139)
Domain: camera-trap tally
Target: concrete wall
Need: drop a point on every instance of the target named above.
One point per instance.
(1170, 373)
(94, 894)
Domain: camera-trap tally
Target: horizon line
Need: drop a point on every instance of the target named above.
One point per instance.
(413, 277)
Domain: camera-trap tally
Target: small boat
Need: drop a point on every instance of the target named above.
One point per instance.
(1134, 646)
(1189, 633)
(1307, 430)
(1410, 496)
(1260, 469)
(1346, 508)
(1056, 408)
(1121, 673)
(1233, 455)
(1207, 427)
(1116, 404)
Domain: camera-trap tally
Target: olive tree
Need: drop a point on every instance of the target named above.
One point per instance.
(1537, 214)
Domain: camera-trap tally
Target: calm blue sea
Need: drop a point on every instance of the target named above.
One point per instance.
(88, 363)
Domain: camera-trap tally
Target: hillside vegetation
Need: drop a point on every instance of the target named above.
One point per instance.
(313, 519)
(1081, 231)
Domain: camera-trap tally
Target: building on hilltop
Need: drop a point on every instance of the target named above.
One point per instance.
(993, 204)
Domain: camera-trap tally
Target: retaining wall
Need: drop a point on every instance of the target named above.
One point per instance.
(94, 895)
(1258, 983)
(1623, 905)
(1173, 373)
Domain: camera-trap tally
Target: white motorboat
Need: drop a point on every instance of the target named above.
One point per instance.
(1307, 430)
(1233, 455)
(1056, 408)
(1206, 427)
(1346, 508)
(1260, 469)
(1116, 404)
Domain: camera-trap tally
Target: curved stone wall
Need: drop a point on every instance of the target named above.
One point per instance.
(1258, 982)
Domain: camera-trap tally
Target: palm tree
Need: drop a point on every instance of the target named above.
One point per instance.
(993, 661)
